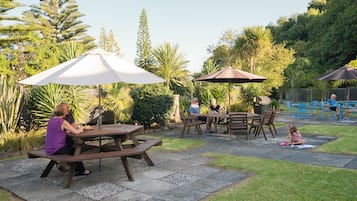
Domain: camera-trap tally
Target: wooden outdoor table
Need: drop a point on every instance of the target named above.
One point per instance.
(118, 132)
(114, 136)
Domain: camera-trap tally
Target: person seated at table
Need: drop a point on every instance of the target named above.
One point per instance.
(294, 136)
(55, 142)
(195, 111)
(332, 103)
(69, 115)
(70, 119)
(213, 109)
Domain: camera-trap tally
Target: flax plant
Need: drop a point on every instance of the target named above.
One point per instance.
(10, 105)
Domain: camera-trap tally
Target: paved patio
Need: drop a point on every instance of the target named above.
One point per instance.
(177, 176)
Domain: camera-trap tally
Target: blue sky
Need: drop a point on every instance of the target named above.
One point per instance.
(193, 24)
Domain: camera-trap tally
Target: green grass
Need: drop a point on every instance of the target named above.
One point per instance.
(178, 144)
(281, 180)
(7, 196)
(346, 142)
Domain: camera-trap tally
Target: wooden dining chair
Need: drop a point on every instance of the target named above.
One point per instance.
(189, 121)
(268, 121)
(271, 123)
(238, 124)
(257, 125)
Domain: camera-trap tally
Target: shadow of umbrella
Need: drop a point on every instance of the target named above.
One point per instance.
(231, 75)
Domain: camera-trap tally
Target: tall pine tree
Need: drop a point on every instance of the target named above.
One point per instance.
(15, 37)
(108, 43)
(145, 58)
(60, 21)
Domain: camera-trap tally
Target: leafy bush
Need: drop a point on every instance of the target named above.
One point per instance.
(152, 104)
(275, 104)
(22, 141)
(44, 99)
(119, 101)
(239, 107)
(184, 104)
(10, 103)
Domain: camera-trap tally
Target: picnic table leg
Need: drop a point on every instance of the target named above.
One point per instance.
(70, 174)
(145, 155)
(183, 130)
(48, 168)
(216, 120)
(124, 160)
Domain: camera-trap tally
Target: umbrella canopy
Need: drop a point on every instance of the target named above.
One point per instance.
(231, 75)
(343, 73)
(92, 68)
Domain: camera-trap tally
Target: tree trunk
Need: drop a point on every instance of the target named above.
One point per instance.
(251, 64)
(175, 115)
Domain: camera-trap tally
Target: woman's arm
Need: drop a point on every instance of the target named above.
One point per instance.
(68, 127)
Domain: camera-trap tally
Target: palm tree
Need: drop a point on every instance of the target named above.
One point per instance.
(251, 42)
(119, 101)
(70, 50)
(171, 65)
(210, 66)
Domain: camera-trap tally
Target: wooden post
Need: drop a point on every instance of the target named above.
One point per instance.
(175, 116)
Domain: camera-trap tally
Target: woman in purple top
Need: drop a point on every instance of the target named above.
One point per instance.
(55, 142)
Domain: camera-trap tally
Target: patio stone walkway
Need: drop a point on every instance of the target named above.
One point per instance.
(176, 176)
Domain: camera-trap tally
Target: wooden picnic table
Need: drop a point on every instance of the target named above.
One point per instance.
(114, 136)
(217, 116)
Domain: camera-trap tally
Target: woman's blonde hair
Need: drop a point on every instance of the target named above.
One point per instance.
(60, 110)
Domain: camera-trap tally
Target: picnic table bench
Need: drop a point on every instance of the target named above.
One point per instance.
(137, 150)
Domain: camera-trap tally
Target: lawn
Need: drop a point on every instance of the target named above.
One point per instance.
(176, 144)
(281, 180)
(7, 196)
(346, 142)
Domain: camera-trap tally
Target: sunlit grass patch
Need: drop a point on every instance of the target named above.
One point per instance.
(281, 180)
(346, 142)
(179, 144)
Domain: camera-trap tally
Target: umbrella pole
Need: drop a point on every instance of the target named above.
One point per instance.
(229, 97)
(99, 123)
(229, 109)
(347, 100)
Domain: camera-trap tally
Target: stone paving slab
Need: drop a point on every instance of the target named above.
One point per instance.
(176, 175)
(352, 164)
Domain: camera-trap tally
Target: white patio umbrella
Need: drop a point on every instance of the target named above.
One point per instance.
(91, 68)
(94, 67)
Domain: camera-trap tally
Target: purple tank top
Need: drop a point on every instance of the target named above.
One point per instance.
(55, 137)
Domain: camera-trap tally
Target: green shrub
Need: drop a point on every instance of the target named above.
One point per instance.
(22, 141)
(119, 101)
(239, 107)
(152, 104)
(185, 103)
(44, 99)
(275, 104)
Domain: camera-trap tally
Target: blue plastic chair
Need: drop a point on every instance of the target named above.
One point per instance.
(302, 112)
(288, 107)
